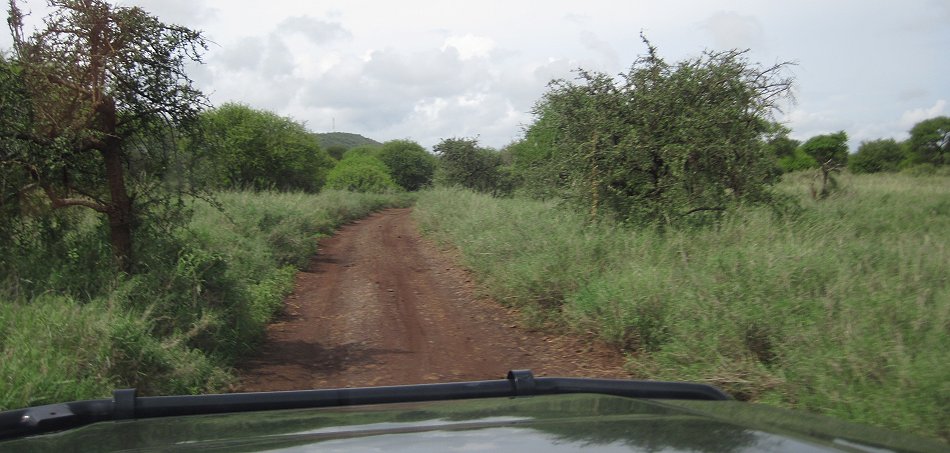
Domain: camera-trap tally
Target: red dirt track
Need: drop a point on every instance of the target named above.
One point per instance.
(379, 305)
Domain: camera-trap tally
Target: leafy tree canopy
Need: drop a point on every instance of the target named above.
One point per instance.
(410, 165)
(260, 149)
(877, 156)
(830, 151)
(662, 141)
(95, 98)
(464, 163)
(929, 141)
(336, 151)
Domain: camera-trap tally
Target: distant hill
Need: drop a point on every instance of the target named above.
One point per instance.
(345, 139)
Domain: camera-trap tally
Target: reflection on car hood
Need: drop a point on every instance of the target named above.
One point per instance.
(540, 423)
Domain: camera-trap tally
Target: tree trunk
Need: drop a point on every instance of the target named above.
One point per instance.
(120, 207)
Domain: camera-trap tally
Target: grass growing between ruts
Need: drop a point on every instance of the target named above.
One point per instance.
(843, 309)
(202, 298)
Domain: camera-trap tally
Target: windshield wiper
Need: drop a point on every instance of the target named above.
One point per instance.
(125, 405)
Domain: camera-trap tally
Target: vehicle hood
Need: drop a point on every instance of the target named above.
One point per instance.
(537, 423)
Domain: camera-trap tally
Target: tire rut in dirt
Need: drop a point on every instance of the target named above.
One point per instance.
(379, 305)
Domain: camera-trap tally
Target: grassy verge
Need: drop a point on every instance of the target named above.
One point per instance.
(843, 309)
(69, 330)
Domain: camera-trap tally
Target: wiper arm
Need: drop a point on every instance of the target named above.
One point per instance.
(125, 405)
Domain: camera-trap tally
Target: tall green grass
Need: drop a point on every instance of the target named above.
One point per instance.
(70, 329)
(842, 309)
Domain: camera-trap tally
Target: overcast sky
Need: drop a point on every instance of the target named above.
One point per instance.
(427, 70)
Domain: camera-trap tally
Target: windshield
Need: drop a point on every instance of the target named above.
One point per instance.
(235, 197)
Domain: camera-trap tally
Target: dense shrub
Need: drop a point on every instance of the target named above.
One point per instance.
(70, 328)
(362, 151)
(242, 147)
(796, 161)
(877, 156)
(361, 173)
(929, 142)
(462, 162)
(410, 165)
(662, 142)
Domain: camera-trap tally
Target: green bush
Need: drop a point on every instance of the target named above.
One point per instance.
(797, 161)
(241, 147)
(877, 156)
(361, 173)
(55, 349)
(661, 143)
(362, 151)
(462, 162)
(410, 165)
(929, 142)
(202, 296)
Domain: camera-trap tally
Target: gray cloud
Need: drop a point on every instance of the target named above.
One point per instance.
(599, 46)
(316, 30)
(245, 55)
(183, 12)
(731, 30)
(391, 81)
(278, 60)
(387, 71)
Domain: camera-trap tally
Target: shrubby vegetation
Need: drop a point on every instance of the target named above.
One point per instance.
(924, 152)
(929, 142)
(405, 163)
(653, 223)
(463, 163)
(361, 173)
(841, 309)
(242, 147)
(343, 140)
(663, 143)
(119, 267)
(362, 151)
(91, 114)
(71, 329)
(877, 156)
(411, 166)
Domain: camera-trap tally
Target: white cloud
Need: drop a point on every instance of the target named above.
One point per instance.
(912, 117)
(805, 124)
(470, 46)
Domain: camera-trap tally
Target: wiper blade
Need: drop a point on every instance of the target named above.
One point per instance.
(125, 405)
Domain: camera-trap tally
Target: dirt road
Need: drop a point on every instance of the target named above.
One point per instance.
(380, 305)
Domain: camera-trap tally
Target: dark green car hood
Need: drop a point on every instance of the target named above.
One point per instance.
(538, 423)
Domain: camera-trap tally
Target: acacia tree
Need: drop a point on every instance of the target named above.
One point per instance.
(94, 77)
(929, 141)
(663, 141)
(831, 153)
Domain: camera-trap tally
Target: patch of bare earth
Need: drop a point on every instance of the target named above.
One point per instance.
(380, 305)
